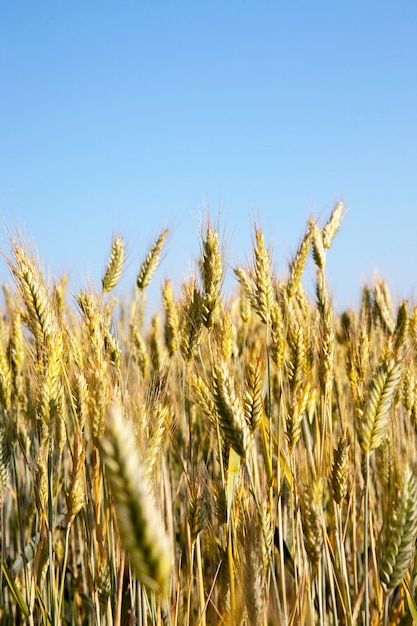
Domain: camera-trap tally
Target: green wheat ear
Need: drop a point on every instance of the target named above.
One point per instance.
(141, 529)
(399, 532)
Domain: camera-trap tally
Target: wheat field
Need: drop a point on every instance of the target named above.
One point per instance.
(243, 458)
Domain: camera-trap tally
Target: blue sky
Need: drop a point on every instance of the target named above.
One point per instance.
(128, 117)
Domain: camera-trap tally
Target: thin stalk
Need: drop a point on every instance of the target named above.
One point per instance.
(320, 591)
(138, 303)
(268, 370)
(21, 528)
(279, 483)
(270, 559)
(342, 559)
(386, 610)
(211, 591)
(190, 577)
(281, 565)
(366, 538)
(231, 575)
(52, 591)
(354, 545)
(2, 553)
(202, 619)
(118, 611)
(331, 574)
(64, 569)
(294, 522)
(144, 609)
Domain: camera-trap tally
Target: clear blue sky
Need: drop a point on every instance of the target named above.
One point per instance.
(129, 116)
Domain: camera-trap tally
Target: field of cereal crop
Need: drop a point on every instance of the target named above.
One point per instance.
(246, 460)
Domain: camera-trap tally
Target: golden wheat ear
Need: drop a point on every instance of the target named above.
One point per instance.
(149, 265)
(140, 524)
(211, 267)
(114, 266)
(264, 292)
(340, 470)
(172, 322)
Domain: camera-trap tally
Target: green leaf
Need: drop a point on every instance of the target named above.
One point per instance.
(15, 590)
(411, 604)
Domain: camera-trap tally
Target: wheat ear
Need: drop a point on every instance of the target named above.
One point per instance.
(277, 335)
(264, 293)
(399, 532)
(34, 295)
(294, 417)
(5, 378)
(340, 470)
(5, 457)
(252, 399)
(311, 514)
(298, 263)
(402, 328)
(383, 306)
(332, 226)
(171, 327)
(255, 565)
(232, 419)
(191, 323)
(211, 267)
(150, 264)
(226, 335)
(372, 421)
(141, 529)
(114, 266)
(318, 249)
